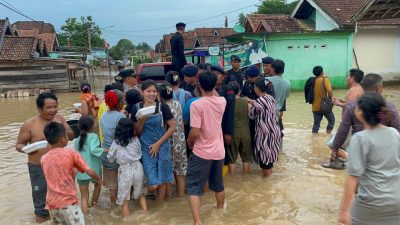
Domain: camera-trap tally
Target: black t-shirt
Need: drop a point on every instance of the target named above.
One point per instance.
(234, 76)
(164, 108)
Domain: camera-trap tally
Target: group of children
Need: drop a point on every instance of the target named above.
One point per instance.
(131, 151)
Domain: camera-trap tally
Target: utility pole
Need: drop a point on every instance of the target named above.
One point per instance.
(90, 53)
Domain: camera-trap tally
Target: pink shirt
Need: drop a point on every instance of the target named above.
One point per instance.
(60, 166)
(206, 114)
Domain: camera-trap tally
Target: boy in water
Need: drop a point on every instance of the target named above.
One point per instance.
(60, 166)
(206, 140)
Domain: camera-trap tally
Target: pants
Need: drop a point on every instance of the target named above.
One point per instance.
(39, 189)
(317, 120)
(129, 175)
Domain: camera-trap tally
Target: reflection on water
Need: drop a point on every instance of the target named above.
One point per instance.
(299, 192)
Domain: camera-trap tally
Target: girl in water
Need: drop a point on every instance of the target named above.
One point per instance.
(372, 188)
(155, 131)
(177, 142)
(88, 146)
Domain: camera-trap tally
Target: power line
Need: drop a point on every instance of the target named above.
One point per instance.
(18, 12)
(195, 21)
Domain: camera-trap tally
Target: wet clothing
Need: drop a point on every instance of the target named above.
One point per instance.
(241, 140)
(350, 121)
(60, 166)
(202, 170)
(178, 52)
(158, 169)
(39, 189)
(108, 124)
(268, 135)
(71, 215)
(237, 76)
(281, 91)
(178, 141)
(93, 101)
(130, 171)
(377, 199)
(317, 121)
(188, 87)
(91, 153)
(182, 97)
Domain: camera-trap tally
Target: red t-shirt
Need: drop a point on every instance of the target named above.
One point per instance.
(60, 166)
(206, 114)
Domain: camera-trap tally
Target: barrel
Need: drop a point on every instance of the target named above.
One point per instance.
(74, 124)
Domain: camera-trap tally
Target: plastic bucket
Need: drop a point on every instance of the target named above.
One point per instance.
(74, 124)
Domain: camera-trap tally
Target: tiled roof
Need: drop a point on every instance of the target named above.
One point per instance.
(41, 26)
(28, 33)
(2, 23)
(207, 32)
(209, 41)
(342, 12)
(253, 20)
(282, 24)
(16, 48)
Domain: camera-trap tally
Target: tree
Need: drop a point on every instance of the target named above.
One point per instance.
(241, 19)
(276, 7)
(75, 33)
(144, 47)
(123, 49)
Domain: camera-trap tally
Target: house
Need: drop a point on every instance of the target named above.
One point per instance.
(25, 64)
(376, 43)
(324, 32)
(40, 30)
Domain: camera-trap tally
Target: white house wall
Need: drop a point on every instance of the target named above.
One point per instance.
(378, 51)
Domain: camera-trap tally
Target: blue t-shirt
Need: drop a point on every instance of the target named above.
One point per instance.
(186, 110)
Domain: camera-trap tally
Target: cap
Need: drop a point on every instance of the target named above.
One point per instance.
(172, 77)
(252, 71)
(204, 66)
(180, 24)
(235, 58)
(218, 68)
(190, 70)
(267, 60)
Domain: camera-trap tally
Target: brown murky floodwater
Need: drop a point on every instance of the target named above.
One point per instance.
(299, 192)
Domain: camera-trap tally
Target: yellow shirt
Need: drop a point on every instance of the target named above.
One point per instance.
(102, 109)
(318, 94)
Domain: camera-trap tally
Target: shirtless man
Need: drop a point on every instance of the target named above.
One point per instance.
(32, 131)
(353, 82)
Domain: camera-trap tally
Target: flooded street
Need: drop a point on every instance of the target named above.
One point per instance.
(299, 192)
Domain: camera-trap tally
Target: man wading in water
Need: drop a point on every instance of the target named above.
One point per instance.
(31, 132)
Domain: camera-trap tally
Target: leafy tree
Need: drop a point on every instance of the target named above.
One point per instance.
(77, 32)
(241, 19)
(123, 49)
(144, 47)
(276, 7)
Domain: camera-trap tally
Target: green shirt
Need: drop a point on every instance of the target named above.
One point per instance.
(241, 118)
(91, 152)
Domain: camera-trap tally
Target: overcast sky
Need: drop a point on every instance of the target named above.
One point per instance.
(131, 17)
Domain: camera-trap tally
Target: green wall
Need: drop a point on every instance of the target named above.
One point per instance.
(301, 52)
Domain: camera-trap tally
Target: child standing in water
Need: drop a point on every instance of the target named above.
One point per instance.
(88, 146)
(177, 142)
(372, 188)
(155, 131)
(268, 134)
(126, 150)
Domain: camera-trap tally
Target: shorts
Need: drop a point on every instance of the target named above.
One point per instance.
(129, 175)
(85, 182)
(70, 215)
(110, 178)
(242, 146)
(200, 171)
(39, 189)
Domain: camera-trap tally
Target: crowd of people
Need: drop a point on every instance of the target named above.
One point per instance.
(204, 118)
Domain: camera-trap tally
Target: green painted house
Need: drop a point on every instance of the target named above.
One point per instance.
(296, 42)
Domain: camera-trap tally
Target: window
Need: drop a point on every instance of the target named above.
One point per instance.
(155, 72)
(216, 33)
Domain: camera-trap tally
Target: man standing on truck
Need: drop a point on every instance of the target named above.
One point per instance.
(178, 49)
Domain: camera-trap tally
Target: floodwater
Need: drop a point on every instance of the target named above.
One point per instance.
(299, 191)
